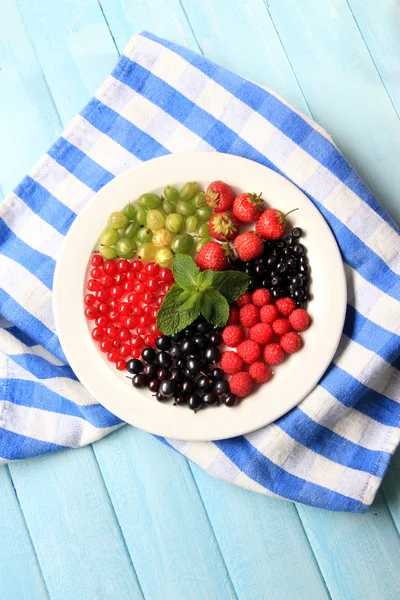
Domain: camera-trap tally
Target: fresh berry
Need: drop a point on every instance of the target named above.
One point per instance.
(261, 333)
(291, 342)
(281, 327)
(234, 313)
(233, 335)
(269, 313)
(223, 226)
(285, 306)
(300, 319)
(219, 196)
(261, 297)
(243, 299)
(271, 225)
(249, 350)
(249, 315)
(247, 207)
(241, 384)
(212, 256)
(231, 362)
(249, 245)
(260, 372)
(273, 354)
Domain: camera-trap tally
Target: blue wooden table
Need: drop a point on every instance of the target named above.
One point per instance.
(128, 518)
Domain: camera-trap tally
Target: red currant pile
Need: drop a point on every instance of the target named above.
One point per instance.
(123, 300)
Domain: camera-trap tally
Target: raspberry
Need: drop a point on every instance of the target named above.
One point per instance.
(269, 313)
(241, 384)
(273, 354)
(249, 350)
(233, 315)
(243, 300)
(260, 372)
(261, 297)
(233, 335)
(281, 326)
(285, 306)
(261, 333)
(249, 315)
(300, 319)
(291, 342)
(231, 362)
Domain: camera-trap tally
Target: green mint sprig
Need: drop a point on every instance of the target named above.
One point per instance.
(196, 292)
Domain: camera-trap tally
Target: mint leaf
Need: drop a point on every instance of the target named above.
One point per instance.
(187, 300)
(185, 271)
(231, 284)
(214, 307)
(205, 280)
(172, 316)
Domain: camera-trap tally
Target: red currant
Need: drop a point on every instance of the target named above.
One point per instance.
(125, 350)
(90, 300)
(156, 332)
(103, 295)
(136, 341)
(139, 288)
(130, 322)
(114, 304)
(97, 260)
(124, 335)
(141, 330)
(113, 316)
(111, 332)
(105, 345)
(102, 321)
(145, 320)
(113, 356)
(134, 298)
(93, 285)
(147, 310)
(137, 265)
(135, 352)
(122, 265)
(125, 309)
(137, 311)
(120, 364)
(96, 273)
(91, 313)
(141, 276)
(154, 313)
(103, 308)
(120, 278)
(148, 298)
(106, 281)
(117, 344)
(166, 275)
(159, 300)
(131, 276)
(117, 291)
(152, 283)
(167, 287)
(110, 267)
(150, 341)
(98, 333)
(152, 268)
(128, 286)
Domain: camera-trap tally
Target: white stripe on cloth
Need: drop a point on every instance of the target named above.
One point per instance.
(11, 345)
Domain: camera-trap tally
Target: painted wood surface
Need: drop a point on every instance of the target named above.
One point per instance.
(130, 518)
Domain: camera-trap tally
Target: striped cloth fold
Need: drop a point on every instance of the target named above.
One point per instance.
(333, 449)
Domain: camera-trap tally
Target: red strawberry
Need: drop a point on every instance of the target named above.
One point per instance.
(247, 207)
(271, 225)
(212, 256)
(223, 226)
(249, 245)
(219, 196)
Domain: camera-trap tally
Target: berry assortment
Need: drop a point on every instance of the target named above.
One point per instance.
(185, 330)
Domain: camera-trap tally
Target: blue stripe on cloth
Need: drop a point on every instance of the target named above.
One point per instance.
(130, 137)
(12, 311)
(223, 139)
(337, 448)
(366, 333)
(274, 478)
(42, 368)
(44, 204)
(21, 336)
(35, 394)
(40, 265)
(14, 446)
(345, 388)
(283, 118)
(77, 162)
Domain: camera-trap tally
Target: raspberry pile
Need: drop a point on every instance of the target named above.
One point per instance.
(123, 300)
(262, 332)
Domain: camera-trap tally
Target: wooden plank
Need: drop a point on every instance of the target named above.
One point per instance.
(257, 535)
(29, 122)
(162, 517)
(166, 19)
(343, 89)
(379, 26)
(77, 34)
(391, 489)
(16, 550)
(70, 518)
(244, 39)
(359, 555)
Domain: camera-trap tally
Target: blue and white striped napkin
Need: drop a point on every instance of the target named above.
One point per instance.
(333, 449)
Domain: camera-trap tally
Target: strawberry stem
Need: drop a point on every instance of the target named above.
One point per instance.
(290, 211)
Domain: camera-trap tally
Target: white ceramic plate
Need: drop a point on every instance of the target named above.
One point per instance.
(292, 380)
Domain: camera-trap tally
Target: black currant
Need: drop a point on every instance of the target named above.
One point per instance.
(212, 354)
(188, 387)
(180, 399)
(150, 370)
(134, 366)
(163, 342)
(221, 387)
(204, 383)
(297, 232)
(139, 381)
(177, 375)
(201, 341)
(189, 347)
(164, 359)
(162, 374)
(176, 351)
(194, 402)
(210, 398)
(160, 397)
(217, 373)
(149, 354)
(153, 385)
(215, 338)
(230, 399)
(168, 387)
